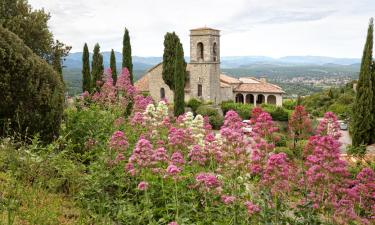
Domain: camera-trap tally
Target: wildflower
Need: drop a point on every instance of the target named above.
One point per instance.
(119, 121)
(329, 126)
(173, 223)
(251, 208)
(173, 170)
(118, 141)
(209, 180)
(142, 153)
(178, 158)
(227, 200)
(142, 186)
(160, 155)
(197, 154)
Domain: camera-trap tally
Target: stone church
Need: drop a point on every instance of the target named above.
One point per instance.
(205, 80)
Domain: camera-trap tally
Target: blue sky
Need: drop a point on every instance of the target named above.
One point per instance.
(249, 27)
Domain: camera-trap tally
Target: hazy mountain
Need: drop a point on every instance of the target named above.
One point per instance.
(74, 61)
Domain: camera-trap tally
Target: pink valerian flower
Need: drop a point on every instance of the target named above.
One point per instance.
(173, 170)
(277, 174)
(251, 208)
(227, 200)
(255, 114)
(119, 122)
(173, 223)
(118, 141)
(326, 172)
(141, 102)
(137, 118)
(86, 95)
(129, 168)
(120, 157)
(108, 92)
(177, 158)
(142, 153)
(160, 155)
(206, 125)
(329, 126)
(180, 138)
(264, 127)
(143, 185)
(299, 124)
(259, 155)
(208, 180)
(198, 155)
(232, 121)
(124, 84)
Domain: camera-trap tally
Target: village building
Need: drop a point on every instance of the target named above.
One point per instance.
(205, 80)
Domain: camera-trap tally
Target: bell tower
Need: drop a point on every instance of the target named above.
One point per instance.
(205, 64)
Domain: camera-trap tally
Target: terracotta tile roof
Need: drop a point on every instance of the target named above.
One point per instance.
(142, 84)
(259, 87)
(229, 80)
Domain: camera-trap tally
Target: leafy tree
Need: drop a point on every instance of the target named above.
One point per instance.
(32, 27)
(31, 92)
(127, 55)
(171, 40)
(97, 67)
(179, 79)
(373, 101)
(113, 67)
(86, 76)
(363, 117)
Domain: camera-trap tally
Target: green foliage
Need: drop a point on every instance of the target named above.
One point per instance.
(363, 122)
(171, 40)
(289, 104)
(179, 79)
(32, 27)
(194, 103)
(86, 75)
(243, 110)
(113, 67)
(356, 150)
(127, 61)
(215, 119)
(277, 113)
(97, 67)
(31, 92)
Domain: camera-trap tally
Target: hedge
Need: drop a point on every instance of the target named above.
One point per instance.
(31, 92)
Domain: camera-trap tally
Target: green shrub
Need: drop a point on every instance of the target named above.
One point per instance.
(357, 151)
(31, 92)
(277, 113)
(289, 104)
(194, 104)
(216, 120)
(243, 110)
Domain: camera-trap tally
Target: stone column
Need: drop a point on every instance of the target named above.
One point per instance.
(266, 98)
(255, 99)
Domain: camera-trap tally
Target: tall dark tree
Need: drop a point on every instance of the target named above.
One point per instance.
(113, 67)
(86, 76)
(171, 40)
(32, 27)
(97, 67)
(373, 101)
(179, 81)
(127, 55)
(363, 117)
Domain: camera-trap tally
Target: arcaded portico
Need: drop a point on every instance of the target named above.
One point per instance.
(259, 98)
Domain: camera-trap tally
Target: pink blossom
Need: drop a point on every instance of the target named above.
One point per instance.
(142, 186)
(197, 154)
(119, 121)
(227, 200)
(118, 141)
(178, 158)
(329, 126)
(209, 180)
(160, 155)
(173, 170)
(173, 223)
(251, 208)
(142, 153)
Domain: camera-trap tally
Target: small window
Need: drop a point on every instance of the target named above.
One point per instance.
(200, 51)
(199, 90)
(162, 93)
(214, 50)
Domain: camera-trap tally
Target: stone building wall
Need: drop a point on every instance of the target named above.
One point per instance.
(226, 93)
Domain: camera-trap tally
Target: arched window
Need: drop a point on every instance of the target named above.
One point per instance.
(214, 51)
(200, 51)
(199, 90)
(162, 93)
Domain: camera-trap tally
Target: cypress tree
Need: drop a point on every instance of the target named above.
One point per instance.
(363, 117)
(113, 67)
(127, 55)
(373, 102)
(97, 67)
(86, 76)
(169, 57)
(179, 81)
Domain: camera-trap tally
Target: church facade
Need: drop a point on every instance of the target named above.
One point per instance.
(205, 80)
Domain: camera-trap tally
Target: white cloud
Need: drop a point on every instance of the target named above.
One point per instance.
(249, 27)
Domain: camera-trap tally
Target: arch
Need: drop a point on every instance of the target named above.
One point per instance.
(162, 93)
(239, 98)
(260, 99)
(200, 51)
(271, 99)
(250, 99)
(214, 52)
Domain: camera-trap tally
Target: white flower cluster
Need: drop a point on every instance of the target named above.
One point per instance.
(156, 115)
(196, 125)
